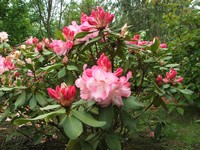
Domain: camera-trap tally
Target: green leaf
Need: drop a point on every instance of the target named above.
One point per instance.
(32, 102)
(62, 73)
(156, 45)
(132, 104)
(41, 99)
(186, 91)
(107, 114)
(21, 99)
(78, 103)
(54, 66)
(5, 114)
(81, 34)
(50, 107)
(158, 90)
(113, 142)
(158, 130)
(20, 121)
(180, 110)
(59, 35)
(90, 43)
(128, 121)
(72, 127)
(74, 145)
(46, 53)
(72, 67)
(12, 88)
(172, 65)
(87, 118)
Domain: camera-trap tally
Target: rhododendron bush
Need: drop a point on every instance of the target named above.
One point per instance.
(94, 84)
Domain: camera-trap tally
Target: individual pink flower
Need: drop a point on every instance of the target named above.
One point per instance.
(61, 47)
(63, 94)
(163, 45)
(77, 29)
(101, 85)
(180, 79)
(118, 72)
(104, 63)
(68, 34)
(46, 42)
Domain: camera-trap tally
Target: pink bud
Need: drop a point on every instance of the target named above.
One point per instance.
(163, 45)
(35, 40)
(159, 80)
(39, 47)
(172, 74)
(151, 134)
(63, 94)
(16, 74)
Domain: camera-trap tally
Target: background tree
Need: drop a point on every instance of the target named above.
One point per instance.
(14, 19)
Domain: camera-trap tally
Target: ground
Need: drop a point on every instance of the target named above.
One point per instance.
(181, 134)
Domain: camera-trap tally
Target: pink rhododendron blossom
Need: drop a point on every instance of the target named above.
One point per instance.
(170, 78)
(63, 94)
(61, 47)
(98, 19)
(104, 63)
(100, 84)
(9, 64)
(3, 37)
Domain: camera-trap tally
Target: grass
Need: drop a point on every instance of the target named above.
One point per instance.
(183, 133)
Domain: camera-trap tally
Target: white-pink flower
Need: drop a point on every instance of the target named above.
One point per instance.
(3, 37)
(103, 86)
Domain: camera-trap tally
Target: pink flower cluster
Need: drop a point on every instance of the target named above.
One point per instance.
(63, 94)
(101, 85)
(136, 40)
(98, 20)
(170, 78)
(6, 64)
